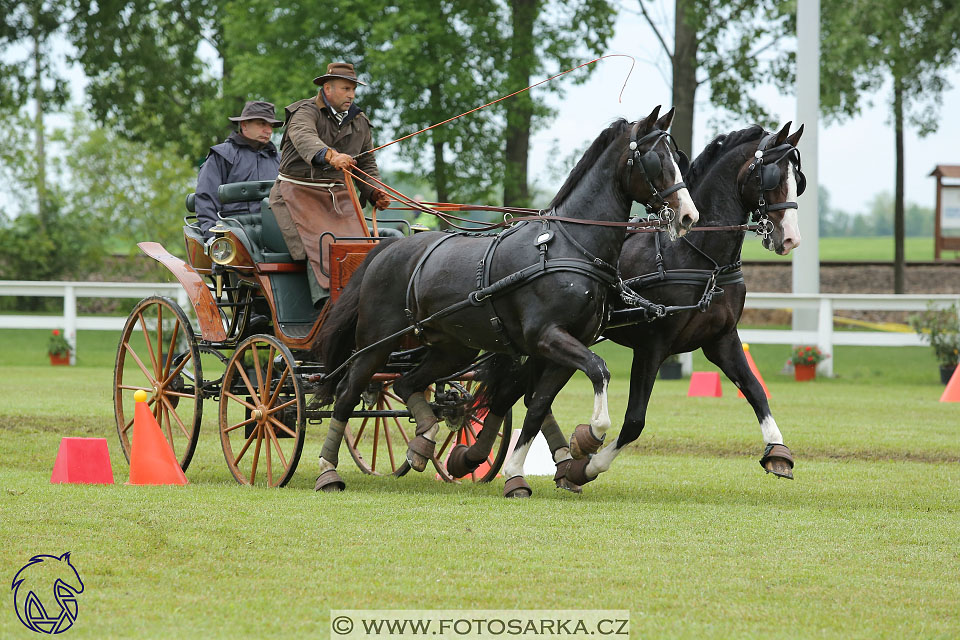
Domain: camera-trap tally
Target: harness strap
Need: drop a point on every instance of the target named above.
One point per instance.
(411, 293)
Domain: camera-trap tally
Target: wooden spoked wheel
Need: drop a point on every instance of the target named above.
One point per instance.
(378, 444)
(158, 354)
(262, 414)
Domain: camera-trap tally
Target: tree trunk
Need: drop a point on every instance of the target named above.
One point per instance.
(516, 192)
(41, 157)
(684, 77)
(898, 224)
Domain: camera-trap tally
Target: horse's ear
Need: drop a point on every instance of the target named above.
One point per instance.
(666, 120)
(66, 556)
(647, 123)
(782, 134)
(794, 137)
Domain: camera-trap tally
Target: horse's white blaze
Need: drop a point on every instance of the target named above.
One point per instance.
(602, 461)
(325, 465)
(791, 222)
(600, 421)
(514, 466)
(687, 208)
(770, 431)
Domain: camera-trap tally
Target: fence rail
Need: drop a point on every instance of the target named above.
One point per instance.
(823, 335)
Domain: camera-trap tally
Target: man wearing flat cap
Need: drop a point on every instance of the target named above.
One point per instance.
(246, 155)
(324, 135)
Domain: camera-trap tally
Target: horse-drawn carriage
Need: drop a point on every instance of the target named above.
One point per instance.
(252, 322)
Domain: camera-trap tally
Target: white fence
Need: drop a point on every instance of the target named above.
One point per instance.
(69, 322)
(823, 336)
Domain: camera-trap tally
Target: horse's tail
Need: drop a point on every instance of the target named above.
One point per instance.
(493, 375)
(338, 335)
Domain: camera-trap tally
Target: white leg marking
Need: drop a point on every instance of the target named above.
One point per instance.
(431, 433)
(600, 421)
(563, 453)
(770, 431)
(514, 466)
(325, 465)
(602, 461)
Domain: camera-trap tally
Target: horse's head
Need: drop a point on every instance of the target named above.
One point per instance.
(654, 173)
(770, 182)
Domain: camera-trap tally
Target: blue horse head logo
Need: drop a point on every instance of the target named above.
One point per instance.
(45, 593)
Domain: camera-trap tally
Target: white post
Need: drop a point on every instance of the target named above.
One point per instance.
(806, 259)
(70, 320)
(686, 364)
(825, 336)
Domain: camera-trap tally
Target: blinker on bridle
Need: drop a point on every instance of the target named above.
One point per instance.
(768, 177)
(651, 167)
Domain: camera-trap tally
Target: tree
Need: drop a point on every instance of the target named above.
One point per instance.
(731, 47)
(30, 26)
(545, 35)
(908, 44)
(151, 66)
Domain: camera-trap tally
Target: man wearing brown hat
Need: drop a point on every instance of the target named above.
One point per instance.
(246, 155)
(324, 135)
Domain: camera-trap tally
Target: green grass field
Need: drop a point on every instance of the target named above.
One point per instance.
(685, 531)
(875, 248)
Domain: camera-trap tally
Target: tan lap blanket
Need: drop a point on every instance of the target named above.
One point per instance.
(305, 212)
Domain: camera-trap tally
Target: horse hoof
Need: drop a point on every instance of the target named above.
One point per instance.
(517, 487)
(561, 480)
(583, 442)
(458, 465)
(330, 482)
(576, 472)
(419, 452)
(778, 460)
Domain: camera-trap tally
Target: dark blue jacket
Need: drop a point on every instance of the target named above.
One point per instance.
(234, 160)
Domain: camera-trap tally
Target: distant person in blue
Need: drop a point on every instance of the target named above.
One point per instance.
(246, 155)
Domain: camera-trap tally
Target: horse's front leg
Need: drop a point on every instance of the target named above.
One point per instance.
(727, 353)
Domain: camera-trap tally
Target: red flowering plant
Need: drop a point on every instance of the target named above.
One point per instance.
(807, 355)
(58, 345)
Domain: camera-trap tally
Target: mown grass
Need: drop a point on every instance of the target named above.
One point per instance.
(685, 531)
(871, 248)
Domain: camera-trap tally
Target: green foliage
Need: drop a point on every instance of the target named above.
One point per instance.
(877, 221)
(57, 345)
(27, 27)
(940, 328)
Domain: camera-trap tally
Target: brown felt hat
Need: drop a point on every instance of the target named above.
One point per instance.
(257, 110)
(342, 70)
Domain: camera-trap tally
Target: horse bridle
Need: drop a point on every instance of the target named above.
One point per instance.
(651, 167)
(768, 177)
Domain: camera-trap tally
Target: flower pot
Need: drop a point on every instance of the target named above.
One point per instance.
(804, 372)
(671, 371)
(946, 372)
(56, 359)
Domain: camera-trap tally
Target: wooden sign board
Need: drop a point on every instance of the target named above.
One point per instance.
(946, 232)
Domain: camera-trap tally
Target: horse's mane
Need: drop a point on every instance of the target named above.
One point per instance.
(589, 158)
(719, 145)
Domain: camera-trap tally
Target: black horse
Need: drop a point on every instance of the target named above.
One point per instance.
(539, 289)
(744, 174)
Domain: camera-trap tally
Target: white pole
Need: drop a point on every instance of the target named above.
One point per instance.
(806, 259)
(70, 320)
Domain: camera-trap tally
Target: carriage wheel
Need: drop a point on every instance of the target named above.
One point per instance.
(158, 354)
(379, 444)
(262, 414)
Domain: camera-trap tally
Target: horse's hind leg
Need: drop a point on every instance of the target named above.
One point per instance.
(410, 388)
(727, 353)
(348, 395)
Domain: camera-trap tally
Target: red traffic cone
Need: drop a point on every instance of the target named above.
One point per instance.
(151, 458)
(952, 392)
(704, 384)
(82, 461)
(756, 372)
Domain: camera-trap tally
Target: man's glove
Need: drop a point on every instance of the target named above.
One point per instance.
(341, 161)
(380, 199)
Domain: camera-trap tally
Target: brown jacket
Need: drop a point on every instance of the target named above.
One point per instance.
(310, 127)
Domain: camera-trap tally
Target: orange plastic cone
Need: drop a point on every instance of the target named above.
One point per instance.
(151, 458)
(756, 372)
(704, 384)
(952, 392)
